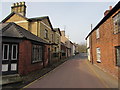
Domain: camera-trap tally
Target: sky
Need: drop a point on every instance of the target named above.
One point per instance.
(73, 17)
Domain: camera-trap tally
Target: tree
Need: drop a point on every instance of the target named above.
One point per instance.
(82, 48)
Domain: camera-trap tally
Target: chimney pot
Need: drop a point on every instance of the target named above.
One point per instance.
(20, 3)
(23, 3)
(17, 3)
(110, 7)
(16, 7)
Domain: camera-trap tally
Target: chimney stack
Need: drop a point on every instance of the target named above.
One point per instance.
(107, 11)
(110, 7)
(19, 8)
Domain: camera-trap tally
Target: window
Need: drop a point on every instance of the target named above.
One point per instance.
(5, 51)
(116, 21)
(58, 40)
(98, 55)
(97, 33)
(55, 49)
(118, 56)
(37, 53)
(52, 37)
(46, 34)
(14, 52)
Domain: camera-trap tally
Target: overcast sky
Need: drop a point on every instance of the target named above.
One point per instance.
(74, 17)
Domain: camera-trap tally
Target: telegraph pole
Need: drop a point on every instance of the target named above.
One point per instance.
(91, 46)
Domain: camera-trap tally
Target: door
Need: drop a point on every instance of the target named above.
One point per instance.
(9, 59)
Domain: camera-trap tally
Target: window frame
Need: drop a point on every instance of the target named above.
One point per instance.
(116, 20)
(16, 51)
(46, 34)
(4, 51)
(116, 48)
(52, 37)
(97, 33)
(37, 51)
(98, 55)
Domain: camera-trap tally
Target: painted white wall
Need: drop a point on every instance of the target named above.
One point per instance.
(88, 42)
(88, 52)
(73, 49)
(88, 48)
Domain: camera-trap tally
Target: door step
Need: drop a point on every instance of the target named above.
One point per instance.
(7, 79)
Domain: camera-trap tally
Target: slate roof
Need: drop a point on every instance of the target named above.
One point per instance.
(115, 8)
(13, 30)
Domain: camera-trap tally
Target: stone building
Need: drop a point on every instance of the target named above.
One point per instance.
(39, 26)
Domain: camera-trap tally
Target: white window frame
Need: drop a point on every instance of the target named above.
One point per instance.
(116, 21)
(117, 56)
(16, 51)
(98, 56)
(7, 51)
(98, 33)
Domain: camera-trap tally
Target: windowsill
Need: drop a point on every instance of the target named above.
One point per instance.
(98, 61)
(36, 62)
(97, 38)
(116, 33)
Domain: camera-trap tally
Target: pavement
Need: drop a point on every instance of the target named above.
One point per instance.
(77, 72)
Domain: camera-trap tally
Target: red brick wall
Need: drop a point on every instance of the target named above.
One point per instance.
(25, 64)
(46, 55)
(107, 43)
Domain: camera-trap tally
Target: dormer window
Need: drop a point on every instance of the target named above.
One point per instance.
(97, 33)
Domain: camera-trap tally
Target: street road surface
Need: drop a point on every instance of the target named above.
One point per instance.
(75, 73)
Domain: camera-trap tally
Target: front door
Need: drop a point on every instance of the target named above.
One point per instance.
(9, 58)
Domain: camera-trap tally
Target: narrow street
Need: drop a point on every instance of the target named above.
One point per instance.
(75, 73)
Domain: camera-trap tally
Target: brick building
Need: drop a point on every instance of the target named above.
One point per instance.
(39, 26)
(103, 42)
(22, 51)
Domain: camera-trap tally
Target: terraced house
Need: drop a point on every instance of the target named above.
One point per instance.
(56, 47)
(39, 26)
(65, 42)
(103, 42)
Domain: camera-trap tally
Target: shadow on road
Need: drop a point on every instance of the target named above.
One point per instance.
(81, 56)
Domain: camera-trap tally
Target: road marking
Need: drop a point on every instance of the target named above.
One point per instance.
(102, 81)
(42, 76)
